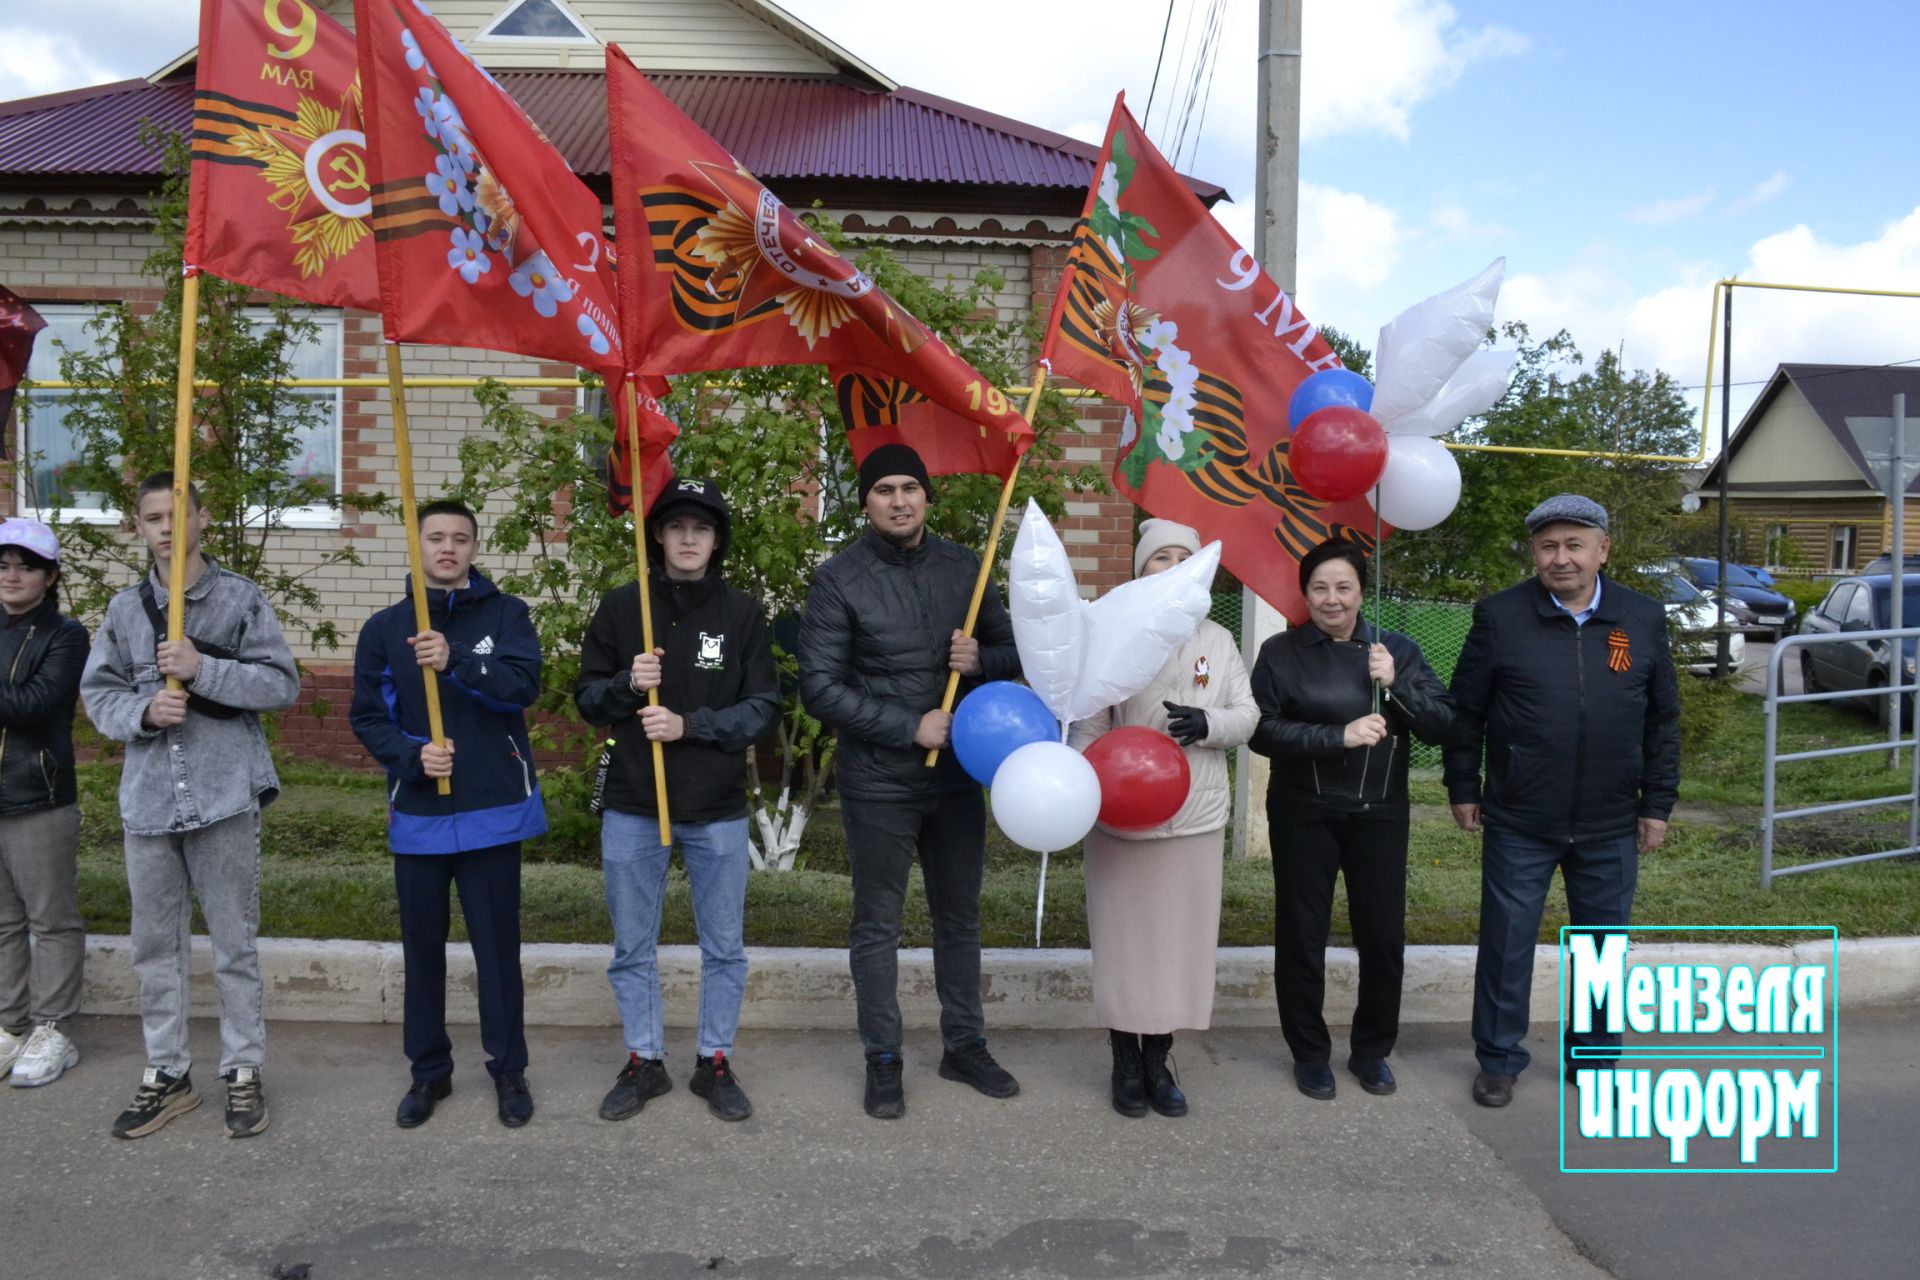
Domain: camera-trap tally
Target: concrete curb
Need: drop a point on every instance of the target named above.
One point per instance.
(796, 988)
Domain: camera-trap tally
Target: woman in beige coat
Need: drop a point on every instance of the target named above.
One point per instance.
(1153, 897)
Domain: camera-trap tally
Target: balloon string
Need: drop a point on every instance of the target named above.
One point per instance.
(1040, 904)
(1378, 575)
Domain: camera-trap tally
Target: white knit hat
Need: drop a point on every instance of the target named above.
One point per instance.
(1157, 534)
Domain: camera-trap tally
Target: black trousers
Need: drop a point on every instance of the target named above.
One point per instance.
(489, 883)
(948, 835)
(1371, 854)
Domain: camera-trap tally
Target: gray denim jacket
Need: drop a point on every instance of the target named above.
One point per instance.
(198, 773)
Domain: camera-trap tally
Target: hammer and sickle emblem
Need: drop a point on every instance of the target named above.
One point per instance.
(350, 163)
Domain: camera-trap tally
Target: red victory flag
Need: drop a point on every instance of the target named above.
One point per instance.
(19, 323)
(485, 237)
(1161, 311)
(280, 196)
(716, 273)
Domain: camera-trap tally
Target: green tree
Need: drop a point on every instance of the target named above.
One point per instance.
(248, 428)
(1555, 402)
(773, 440)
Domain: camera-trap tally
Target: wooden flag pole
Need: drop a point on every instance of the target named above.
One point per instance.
(409, 512)
(182, 461)
(992, 548)
(646, 593)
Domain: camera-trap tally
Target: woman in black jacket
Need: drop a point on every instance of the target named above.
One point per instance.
(41, 657)
(1337, 804)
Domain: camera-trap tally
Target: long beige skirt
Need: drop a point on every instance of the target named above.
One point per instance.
(1153, 910)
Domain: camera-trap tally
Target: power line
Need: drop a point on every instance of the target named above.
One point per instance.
(1157, 60)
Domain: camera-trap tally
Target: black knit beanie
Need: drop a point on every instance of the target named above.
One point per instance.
(892, 460)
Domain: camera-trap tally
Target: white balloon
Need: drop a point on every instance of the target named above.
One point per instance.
(1421, 485)
(1048, 613)
(1046, 797)
(1133, 629)
(1420, 348)
(1474, 389)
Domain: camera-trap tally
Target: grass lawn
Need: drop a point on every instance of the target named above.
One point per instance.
(326, 872)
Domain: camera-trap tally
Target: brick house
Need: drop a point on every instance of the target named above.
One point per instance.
(948, 187)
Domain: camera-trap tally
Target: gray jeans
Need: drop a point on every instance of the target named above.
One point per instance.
(38, 867)
(948, 834)
(219, 864)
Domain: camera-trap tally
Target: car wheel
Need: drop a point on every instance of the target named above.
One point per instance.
(1807, 683)
(1880, 707)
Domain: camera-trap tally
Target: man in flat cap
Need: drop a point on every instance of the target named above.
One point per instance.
(882, 629)
(1567, 684)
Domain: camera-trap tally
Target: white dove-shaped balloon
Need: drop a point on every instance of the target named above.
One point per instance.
(1432, 375)
(1083, 657)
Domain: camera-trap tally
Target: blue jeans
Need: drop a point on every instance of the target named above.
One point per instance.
(635, 865)
(1515, 871)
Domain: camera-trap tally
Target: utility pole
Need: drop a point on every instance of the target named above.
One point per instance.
(1276, 237)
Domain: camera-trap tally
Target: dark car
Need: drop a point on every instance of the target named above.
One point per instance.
(1771, 610)
(1884, 564)
(1863, 603)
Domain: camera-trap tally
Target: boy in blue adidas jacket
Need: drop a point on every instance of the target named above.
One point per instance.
(482, 645)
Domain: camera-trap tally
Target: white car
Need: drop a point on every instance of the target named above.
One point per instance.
(1690, 619)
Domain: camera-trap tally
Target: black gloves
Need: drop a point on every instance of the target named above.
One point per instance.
(1185, 725)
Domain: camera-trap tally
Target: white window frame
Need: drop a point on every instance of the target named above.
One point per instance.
(316, 517)
(586, 38)
(1837, 535)
(25, 404)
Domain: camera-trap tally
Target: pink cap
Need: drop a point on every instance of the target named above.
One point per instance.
(18, 531)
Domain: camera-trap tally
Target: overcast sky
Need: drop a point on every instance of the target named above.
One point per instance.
(1622, 156)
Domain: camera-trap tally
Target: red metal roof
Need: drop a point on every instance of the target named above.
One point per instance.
(780, 127)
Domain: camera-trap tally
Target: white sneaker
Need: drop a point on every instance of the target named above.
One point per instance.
(49, 1052)
(11, 1047)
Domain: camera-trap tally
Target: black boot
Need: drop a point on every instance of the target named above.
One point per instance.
(1129, 1075)
(1162, 1092)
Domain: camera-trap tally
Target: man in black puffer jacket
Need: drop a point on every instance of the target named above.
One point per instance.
(881, 632)
(1567, 681)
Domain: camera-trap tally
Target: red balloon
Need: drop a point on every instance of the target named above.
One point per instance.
(1143, 775)
(1338, 453)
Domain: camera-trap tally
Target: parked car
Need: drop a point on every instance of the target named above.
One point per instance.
(1884, 564)
(1690, 618)
(1861, 603)
(1771, 611)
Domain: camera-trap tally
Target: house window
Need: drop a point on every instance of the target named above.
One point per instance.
(1841, 547)
(50, 448)
(1778, 544)
(543, 21)
(47, 446)
(316, 453)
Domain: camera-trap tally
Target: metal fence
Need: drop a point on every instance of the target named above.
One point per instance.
(1897, 695)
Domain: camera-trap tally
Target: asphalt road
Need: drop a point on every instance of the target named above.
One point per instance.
(1256, 1181)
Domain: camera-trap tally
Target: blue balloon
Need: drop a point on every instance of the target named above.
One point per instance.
(1327, 388)
(996, 720)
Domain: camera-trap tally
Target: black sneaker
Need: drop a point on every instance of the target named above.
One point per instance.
(640, 1079)
(246, 1103)
(713, 1079)
(975, 1066)
(160, 1099)
(886, 1100)
(417, 1107)
(516, 1100)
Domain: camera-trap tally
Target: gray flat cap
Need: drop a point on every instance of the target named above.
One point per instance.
(1567, 508)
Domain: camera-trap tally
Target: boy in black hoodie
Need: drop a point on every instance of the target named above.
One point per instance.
(713, 665)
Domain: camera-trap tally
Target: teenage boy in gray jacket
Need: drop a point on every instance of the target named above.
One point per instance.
(197, 773)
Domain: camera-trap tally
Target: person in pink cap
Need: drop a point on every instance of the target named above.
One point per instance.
(42, 655)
